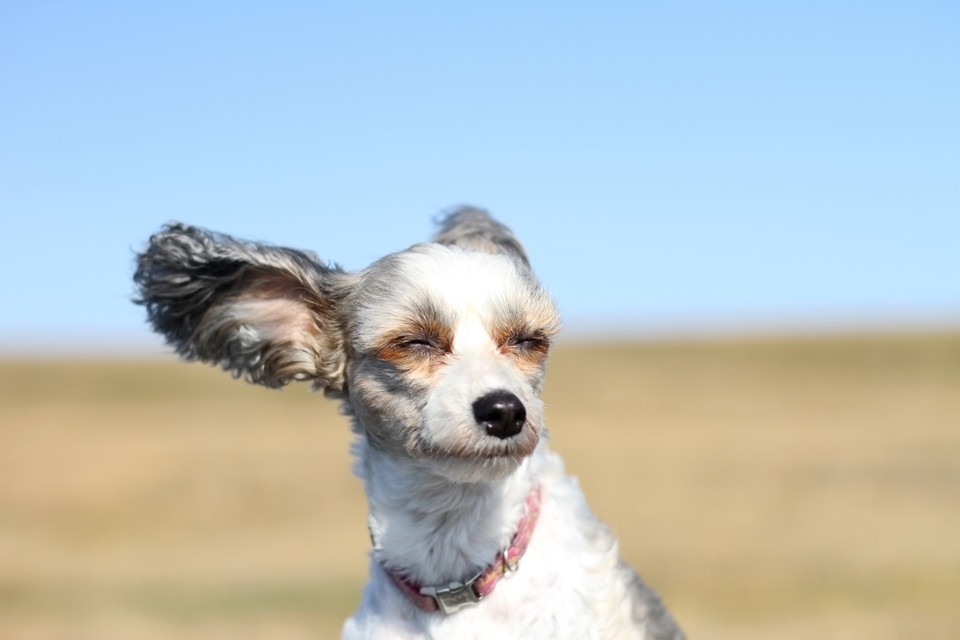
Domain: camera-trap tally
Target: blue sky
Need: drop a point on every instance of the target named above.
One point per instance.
(670, 166)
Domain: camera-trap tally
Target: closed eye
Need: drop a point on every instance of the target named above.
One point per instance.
(528, 341)
(536, 341)
(418, 343)
(411, 347)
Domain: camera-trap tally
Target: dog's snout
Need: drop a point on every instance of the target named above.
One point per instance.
(500, 413)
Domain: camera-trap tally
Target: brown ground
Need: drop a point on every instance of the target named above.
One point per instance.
(784, 489)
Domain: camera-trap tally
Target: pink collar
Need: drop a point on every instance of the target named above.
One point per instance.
(453, 596)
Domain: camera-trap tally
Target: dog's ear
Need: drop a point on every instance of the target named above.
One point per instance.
(266, 313)
(475, 229)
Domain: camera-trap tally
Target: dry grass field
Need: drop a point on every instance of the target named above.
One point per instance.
(788, 489)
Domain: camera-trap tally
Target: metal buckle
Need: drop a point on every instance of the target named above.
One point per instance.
(454, 595)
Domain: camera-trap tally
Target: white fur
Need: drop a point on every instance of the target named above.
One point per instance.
(567, 584)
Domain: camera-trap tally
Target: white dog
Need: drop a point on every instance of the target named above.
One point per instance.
(437, 353)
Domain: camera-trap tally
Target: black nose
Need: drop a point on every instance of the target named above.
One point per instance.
(501, 413)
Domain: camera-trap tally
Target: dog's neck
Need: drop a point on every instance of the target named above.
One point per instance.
(433, 530)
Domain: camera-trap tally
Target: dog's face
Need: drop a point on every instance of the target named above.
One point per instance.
(447, 353)
(438, 351)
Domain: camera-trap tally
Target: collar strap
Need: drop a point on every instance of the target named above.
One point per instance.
(453, 596)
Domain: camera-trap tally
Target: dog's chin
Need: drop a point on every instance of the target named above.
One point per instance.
(483, 461)
(463, 471)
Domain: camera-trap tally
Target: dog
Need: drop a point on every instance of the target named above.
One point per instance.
(437, 354)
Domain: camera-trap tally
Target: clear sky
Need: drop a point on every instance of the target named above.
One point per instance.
(693, 165)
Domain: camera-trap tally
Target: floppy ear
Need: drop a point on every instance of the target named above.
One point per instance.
(266, 313)
(473, 228)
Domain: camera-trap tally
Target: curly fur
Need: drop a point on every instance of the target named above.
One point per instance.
(264, 313)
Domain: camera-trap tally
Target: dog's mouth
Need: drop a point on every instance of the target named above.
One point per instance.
(482, 448)
(479, 461)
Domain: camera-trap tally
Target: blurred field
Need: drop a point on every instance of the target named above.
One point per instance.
(787, 489)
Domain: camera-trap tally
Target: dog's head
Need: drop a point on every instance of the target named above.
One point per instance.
(438, 351)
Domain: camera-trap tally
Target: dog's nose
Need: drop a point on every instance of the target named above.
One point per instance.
(500, 413)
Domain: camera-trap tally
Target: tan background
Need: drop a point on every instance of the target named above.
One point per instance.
(803, 488)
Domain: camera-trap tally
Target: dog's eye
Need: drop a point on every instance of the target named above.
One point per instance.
(413, 346)
(536, 341)
(417, 343)
(411, 350)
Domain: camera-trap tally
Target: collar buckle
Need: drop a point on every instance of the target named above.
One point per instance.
(453, 596)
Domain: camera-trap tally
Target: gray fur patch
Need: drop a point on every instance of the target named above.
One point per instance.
(266, 313)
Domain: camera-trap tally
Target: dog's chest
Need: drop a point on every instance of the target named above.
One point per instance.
(565, 587)
(524, 606)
